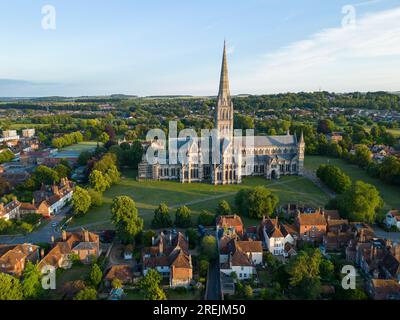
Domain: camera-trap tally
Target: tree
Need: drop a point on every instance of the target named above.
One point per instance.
(150, 285)
(193, 237)
(389, 170)
(223, 208)
(248, 291)
(4, 186)
(31, 284)
(81, 200)
(209, 247)
(304, 271)
(162, 218)
(206, 218)
(96, 275)
(256, 202)
(86, 294)
(183, 217)
(203, 267)
(362, 156)
(95, 197)
(116, 283)
(334, 178)
(63, 171)
(104, 138)
(98, 181)
(124, 216)
(325, 126)
(147, 237)
(10, 288)
(360, 203)
(45, 175)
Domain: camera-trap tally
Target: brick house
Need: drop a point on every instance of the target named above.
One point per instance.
(169, 256)
(383, 289)
(84, 245)
(230, 224)
(13, 258)
(311, 226)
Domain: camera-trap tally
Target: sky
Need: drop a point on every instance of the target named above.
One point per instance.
(174, 47)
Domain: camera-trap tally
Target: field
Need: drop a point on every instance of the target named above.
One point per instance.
(20, 126)
(197, 196)
(81, 147)
(390, 194)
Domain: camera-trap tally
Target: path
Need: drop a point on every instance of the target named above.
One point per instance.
(312, 177)
(213, 290)
(190, 203)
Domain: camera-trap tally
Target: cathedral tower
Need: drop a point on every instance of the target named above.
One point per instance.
(224, 111)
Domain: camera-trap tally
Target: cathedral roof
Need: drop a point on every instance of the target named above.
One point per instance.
(271, 141)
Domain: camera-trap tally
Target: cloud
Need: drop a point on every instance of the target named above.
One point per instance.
(332, 58)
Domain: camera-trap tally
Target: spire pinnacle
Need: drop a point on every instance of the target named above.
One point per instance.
(224, 92)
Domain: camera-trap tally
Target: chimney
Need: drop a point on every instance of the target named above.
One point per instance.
(64, 235)
(161, 246)
(52, 239)
(41, 253)
(86, 236)
(152, 241)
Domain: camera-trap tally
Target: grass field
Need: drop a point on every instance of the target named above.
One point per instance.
(197, 196)
(390, 194)
(19, 126)
(81, 147)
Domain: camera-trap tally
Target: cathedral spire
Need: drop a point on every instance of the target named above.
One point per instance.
(224, 93)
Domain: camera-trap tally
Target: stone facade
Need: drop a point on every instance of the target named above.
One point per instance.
(267, 156)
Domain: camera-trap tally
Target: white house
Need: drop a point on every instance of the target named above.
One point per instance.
(239, 263)
(276, 236)
(10, 210)
(240, 257)
(393, 219)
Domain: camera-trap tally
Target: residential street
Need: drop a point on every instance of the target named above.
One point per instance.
(43, 235)
(213, 282)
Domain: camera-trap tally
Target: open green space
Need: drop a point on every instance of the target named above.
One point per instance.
(20, 126)
(389, 193)
(81, 147)
(197, 196)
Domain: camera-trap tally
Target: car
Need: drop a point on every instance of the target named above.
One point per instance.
(54, 224)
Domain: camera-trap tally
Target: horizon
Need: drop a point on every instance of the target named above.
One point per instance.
(154, 49)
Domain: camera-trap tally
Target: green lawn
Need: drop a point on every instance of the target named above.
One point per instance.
(390, 194)
(81, 147)
(197, 196)
(19, 126)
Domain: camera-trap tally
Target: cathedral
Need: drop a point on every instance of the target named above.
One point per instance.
(267, 156)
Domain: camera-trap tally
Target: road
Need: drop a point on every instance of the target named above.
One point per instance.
(213, 282)
(43, 235)
(393, 236)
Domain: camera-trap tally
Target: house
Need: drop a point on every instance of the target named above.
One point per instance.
(384, 289)
(51, 199)
(339, 233)
(13, 258)
(83, 244)
(170, 257)
(253, 249)
(10, 210)
(123, 273)
(335, 137)
(229, 224)
(275, 236)
(311, 226)
(240, 262)
(392, 219)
